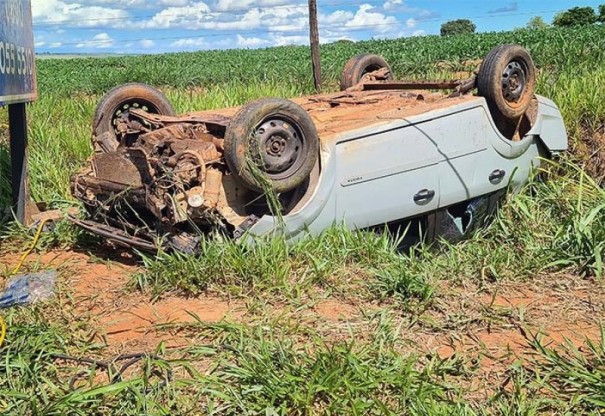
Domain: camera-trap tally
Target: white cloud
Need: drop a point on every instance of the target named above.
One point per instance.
(392, 4)
(283, 40)
(366, 18)
(188, 43)
(56, 11)
(201, 16)
(335, 18)
(121, 3)
(251, 42)
(131, 4)
(230, 5)
(185, 17)
(147, 43)
(100, 41)
(214, 24)
(175, 3)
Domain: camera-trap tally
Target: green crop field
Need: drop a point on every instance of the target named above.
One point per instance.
(506, 323)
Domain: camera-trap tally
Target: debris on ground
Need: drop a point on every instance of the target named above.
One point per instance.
(28, 288)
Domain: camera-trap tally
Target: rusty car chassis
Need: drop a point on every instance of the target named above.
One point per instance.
(377, 152)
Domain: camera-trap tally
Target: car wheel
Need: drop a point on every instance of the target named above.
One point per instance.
(121, 99)
(360, 65)
(507, 79)
(271, 142)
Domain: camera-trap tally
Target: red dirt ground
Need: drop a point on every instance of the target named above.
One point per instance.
(126, 318)
(491, 323)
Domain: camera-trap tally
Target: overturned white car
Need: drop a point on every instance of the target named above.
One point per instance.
(378, 152)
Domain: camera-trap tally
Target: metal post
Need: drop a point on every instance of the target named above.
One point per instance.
(315, 53)
(18, 150)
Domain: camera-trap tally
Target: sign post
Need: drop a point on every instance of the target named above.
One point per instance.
(17, 87)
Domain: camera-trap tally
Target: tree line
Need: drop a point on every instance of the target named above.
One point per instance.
(576, 16)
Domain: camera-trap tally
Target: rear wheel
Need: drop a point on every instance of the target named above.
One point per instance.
(361, 65)
(271, 143)
(116, 104)
(507, 80)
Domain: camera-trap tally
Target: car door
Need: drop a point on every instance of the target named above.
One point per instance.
(386, 176)
(461, 138)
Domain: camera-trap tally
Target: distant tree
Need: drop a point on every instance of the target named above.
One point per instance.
(602, 13)
(458, 27)
(578, 16)
(537, 23)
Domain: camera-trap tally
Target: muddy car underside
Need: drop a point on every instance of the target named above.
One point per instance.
(161, 180)
(166, 177)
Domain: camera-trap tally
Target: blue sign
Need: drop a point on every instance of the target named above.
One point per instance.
(17, 57)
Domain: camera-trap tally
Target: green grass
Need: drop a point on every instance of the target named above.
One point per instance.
(283, 367)
(576, 377)
(256, 371)
(338, 260)
(550, 226)
(233, 369)
(414, 56)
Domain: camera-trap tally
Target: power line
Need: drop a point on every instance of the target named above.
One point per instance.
(211, 35)
(286, 32)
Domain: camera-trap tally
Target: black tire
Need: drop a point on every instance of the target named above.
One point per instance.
(507, 79)
(273, 138)
(121, 98)
(358, 66)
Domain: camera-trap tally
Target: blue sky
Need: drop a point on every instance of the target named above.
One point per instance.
(154, 26)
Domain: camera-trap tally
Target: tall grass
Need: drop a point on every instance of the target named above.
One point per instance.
(339, 259)
(554, 225)
(416, 56)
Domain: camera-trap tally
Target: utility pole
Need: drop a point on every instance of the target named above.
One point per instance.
(315, 54)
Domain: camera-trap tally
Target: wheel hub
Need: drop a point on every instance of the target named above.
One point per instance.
(280, 144)
(122, 112)
(513, 81)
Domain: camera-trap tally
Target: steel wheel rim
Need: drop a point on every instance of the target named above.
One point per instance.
(280, 143)
(514, 80)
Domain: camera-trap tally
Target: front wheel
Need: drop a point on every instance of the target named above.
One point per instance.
(271, 143)
(507, 80)
(116, 104)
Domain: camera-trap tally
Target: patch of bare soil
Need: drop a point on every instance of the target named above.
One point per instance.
(494, 326)
(335, 310)
(126, 320)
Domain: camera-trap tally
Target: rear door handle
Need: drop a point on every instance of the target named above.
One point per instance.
(497, 175)
(424, 195)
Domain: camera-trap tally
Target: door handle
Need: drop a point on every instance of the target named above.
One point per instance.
(497, 175)
(424, 195)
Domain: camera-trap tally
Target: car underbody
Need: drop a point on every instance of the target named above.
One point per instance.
(158, 180)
